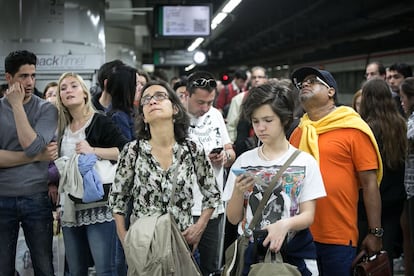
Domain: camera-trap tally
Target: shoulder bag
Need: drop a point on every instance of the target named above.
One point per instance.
(234, 255)
(273, 265)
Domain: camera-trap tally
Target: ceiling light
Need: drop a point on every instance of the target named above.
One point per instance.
(189, 67)
(229, 7)
(218, 19)
(195, 44)
(199, 57)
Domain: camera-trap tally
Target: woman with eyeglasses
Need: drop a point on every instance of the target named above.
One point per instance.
(162, 152)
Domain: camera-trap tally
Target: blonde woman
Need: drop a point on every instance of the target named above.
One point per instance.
(81, 130)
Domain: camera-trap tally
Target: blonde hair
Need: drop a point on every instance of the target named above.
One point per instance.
(64, 117)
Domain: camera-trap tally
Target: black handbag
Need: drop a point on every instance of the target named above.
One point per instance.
(376, 265)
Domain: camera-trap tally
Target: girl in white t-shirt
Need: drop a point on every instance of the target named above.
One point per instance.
(290, 209)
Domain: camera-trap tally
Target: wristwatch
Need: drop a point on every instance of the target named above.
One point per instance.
(377, 232)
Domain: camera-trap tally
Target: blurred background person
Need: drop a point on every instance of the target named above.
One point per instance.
(237, 85)
(180, 87)
(123, 84)
(142, 80)
(356, 100)
(407, 219)
(101, 100)
(375, 69)
(396, 73)
(378, 109)
(49, 93)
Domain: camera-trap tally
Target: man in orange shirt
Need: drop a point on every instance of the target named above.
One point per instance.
(349, 160)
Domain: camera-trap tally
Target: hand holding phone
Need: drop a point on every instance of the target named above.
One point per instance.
(238, 171)
(216, 150)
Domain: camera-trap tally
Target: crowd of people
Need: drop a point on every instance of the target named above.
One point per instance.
(349, 189)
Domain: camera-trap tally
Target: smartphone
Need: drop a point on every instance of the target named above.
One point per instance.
(238, 171)
(216, 150)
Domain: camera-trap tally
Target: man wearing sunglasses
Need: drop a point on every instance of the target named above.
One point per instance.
(348, 155)
(208, 128)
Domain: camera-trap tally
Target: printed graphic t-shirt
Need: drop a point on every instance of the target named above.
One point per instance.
(302, 181)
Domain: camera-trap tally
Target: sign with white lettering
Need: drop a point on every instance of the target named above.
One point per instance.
(65, 62)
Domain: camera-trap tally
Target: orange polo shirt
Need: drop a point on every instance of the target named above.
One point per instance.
(343, 153)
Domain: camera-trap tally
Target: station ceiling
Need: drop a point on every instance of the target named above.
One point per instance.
(277, 32)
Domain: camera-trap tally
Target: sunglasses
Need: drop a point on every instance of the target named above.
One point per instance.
(204, 83)
(311, 81)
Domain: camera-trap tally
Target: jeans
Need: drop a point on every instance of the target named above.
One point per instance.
(210, 245)
(120, 261)
(99, 240)
(34, 213)
(335, 259)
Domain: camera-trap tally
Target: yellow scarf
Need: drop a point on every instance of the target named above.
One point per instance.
(341, 117)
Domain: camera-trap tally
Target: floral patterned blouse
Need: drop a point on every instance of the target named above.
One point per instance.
(143, 179)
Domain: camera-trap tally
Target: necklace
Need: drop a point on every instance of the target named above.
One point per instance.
(263, 155)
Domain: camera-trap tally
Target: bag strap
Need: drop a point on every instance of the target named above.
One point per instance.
(174, 179)
(267, 193)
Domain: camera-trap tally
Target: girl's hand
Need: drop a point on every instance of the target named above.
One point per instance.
(276, 234)
(244, 183)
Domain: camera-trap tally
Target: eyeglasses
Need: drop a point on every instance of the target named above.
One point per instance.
(312, 81)
(204, 83)
(158, 96)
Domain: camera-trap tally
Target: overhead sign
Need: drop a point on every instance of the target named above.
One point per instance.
(66, 62)
(177, 58)
(182, 21)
